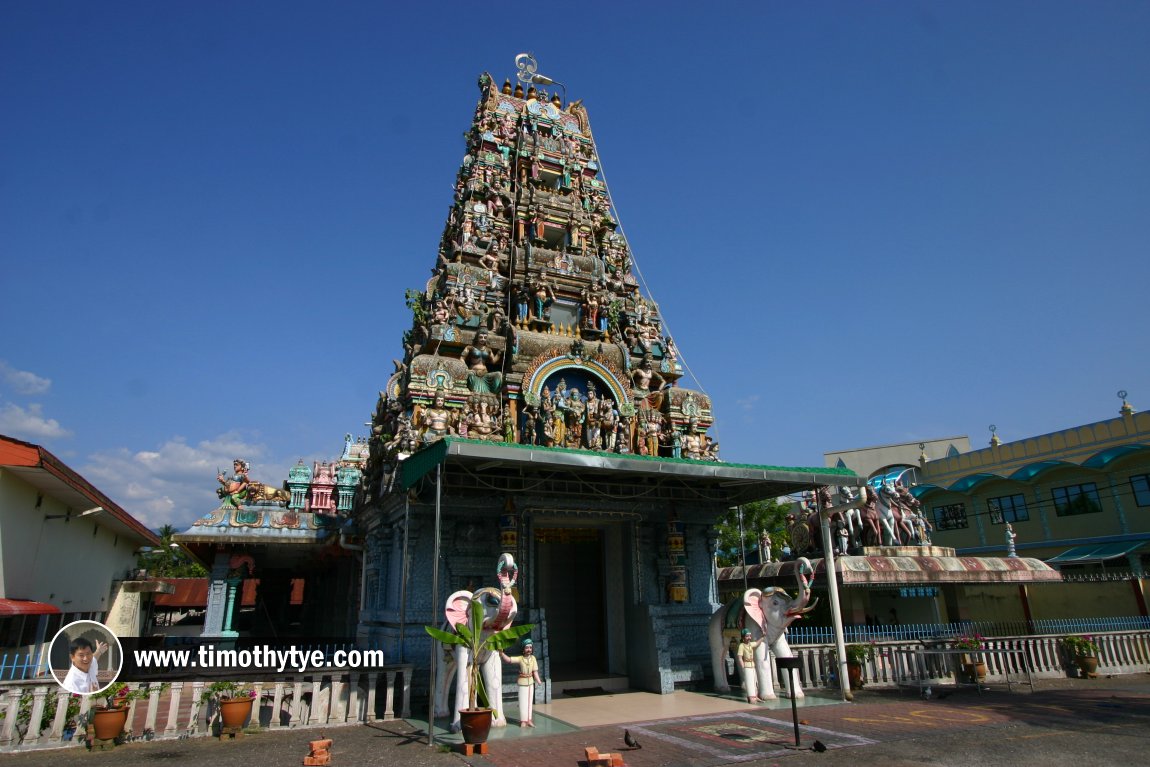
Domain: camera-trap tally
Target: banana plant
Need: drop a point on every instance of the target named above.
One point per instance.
(471, 636)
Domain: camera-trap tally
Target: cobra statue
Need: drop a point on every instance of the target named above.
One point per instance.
(499, 609)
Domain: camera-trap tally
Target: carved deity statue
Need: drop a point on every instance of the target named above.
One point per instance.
(234, 490)
(478, 357)
(435, 421)
(543, 298)
(694, 445)
(481, 422)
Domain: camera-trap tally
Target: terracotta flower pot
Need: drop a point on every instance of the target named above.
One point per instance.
(854, 675)
(234, 712)
(475, 724)
(108, 723)
(975, 672)
(1087, 666)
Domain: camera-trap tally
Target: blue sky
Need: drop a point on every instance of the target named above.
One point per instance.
(864, 223)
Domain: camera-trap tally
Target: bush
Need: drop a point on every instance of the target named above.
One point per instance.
(120, 694)
(856, 653)
(217, 691)
(969, 642)
(1080, 647)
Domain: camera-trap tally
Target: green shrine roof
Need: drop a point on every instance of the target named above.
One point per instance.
(742, 482)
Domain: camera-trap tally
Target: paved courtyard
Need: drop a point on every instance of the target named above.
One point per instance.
(1063, 722)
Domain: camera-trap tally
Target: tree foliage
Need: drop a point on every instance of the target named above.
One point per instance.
(168, 562)
(769, 515)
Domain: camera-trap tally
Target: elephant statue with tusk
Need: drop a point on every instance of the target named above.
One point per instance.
(499, 611)
(766, 613)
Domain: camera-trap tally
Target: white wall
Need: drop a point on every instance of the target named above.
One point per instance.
(67, 564)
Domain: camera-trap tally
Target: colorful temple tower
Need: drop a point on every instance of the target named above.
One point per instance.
(538, 411)
(533, 329)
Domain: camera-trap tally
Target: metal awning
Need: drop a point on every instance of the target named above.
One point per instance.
(732, 483)
(1096, 552)
(9, 607)
(870, 570)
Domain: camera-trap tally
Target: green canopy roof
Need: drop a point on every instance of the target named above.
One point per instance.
(743, 482)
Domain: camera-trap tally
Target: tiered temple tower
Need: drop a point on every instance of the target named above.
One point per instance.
(537, 412)
(533, 329)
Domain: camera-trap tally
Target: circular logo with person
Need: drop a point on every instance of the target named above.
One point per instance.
(85, 657)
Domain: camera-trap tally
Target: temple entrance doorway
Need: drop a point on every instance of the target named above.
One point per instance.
(569, 567)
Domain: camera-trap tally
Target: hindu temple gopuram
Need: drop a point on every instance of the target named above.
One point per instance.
(537, 412)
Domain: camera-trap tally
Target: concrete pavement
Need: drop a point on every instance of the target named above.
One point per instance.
(1062, 722)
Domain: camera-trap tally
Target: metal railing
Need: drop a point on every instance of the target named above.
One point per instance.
(311, 699)
(22, 665)
(893, 662)
(917, 631)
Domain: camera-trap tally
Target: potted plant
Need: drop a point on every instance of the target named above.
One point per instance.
(476, 721)
(109, 719)
(1084, 651)
(972, 663)
(233, 702)
(857, 655)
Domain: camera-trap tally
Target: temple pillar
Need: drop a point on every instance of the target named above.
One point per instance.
(217, 616)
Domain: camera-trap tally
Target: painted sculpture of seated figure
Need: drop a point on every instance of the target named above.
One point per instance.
(645, 380)
(694, 446)
(478, 356)
(435, 420)
(234, 490)
(481, 424)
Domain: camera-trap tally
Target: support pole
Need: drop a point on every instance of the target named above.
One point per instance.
(833, 588)
(434, 602)
(742, 550)
(403, 577)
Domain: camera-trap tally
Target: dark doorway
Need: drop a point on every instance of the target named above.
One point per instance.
(570, 588)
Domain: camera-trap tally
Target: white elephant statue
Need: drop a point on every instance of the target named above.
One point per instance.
(766, 614)
(499, 611)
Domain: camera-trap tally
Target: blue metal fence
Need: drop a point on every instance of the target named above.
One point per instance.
(911, 632)
(17, 665)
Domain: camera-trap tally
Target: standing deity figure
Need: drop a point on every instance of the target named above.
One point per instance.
(652, 433)
(747, 665)
(547, 417)
(528, 678)
(592, 306)
(538, 225)
(522, 300)
(478, 357)
(576, 415)
(543, 299)
(1010, 536)
(764, 547)
(592, 434)
(529, 434)
(608, 423)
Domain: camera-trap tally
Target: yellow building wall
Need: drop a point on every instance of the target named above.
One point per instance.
(989, 603)
(1107, 599)
(1119, 516)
